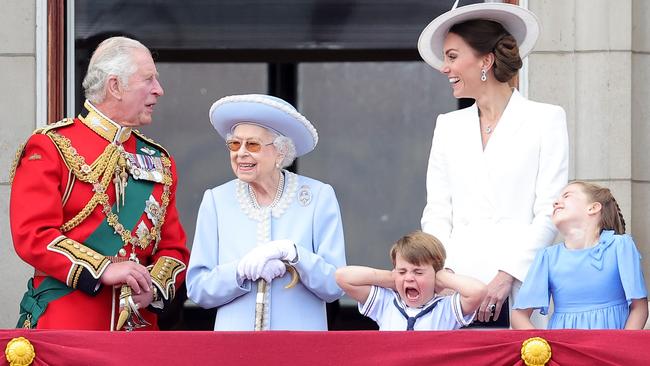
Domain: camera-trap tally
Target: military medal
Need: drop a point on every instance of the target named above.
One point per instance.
(145, 167)
(147, 150)
(152, 209)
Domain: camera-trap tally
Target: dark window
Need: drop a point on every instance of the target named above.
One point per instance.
(350, 66)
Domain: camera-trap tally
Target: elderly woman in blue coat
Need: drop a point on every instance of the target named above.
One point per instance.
(252, 229)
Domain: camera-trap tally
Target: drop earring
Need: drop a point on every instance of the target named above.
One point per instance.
(483, 75)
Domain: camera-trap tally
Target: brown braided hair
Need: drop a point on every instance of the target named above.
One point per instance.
(611, 217)
(487, 36)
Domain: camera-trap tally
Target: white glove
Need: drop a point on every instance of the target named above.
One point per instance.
(272, 269)
(244, 268)
(251, 265)
(286, 248)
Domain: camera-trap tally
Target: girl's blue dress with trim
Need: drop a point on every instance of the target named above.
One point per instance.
(591, 288)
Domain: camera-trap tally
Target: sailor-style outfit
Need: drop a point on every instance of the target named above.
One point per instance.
(385, 307)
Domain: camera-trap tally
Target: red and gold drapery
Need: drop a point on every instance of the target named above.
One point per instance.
(569, 347)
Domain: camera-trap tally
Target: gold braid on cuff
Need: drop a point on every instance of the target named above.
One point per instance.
(79, 255)
(163, 275)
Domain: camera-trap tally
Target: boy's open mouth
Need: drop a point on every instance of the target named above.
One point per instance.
(412, 293)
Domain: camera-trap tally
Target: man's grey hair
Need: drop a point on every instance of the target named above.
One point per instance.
(114, 56)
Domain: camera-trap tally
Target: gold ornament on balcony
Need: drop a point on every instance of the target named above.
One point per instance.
(19, 352)
(535, 351)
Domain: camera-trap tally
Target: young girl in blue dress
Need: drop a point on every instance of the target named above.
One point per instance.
(595, 276)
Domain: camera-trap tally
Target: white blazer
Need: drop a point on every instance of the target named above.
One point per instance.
(491, 208)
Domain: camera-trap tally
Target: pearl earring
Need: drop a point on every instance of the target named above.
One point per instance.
(483, 75)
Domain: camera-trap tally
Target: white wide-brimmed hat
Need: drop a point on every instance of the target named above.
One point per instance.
(266, 111)
(519, 22)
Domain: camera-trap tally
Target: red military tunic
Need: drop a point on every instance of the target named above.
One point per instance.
(56, 179)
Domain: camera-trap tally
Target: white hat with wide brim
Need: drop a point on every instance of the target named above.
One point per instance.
(519, 22)
(265, 111)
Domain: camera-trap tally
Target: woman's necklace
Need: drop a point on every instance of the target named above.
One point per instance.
(487, 129)
(278, 193)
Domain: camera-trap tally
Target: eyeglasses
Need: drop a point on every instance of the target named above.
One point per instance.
(251, 146)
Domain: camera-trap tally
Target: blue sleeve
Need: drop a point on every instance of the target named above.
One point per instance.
(317, 267)
(210, 283)
(535, 291)
(630, 270)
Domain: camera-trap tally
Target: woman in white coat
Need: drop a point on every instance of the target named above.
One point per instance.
(496, 166)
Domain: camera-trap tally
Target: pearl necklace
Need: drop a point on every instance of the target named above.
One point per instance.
(488, 129)
(278, 193)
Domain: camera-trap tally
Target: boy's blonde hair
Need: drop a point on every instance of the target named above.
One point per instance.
(611, 217)
(420, 248)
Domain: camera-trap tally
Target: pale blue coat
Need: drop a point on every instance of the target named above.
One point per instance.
(226, 229)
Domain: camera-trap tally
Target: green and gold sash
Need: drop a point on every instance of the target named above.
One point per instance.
(103, 240)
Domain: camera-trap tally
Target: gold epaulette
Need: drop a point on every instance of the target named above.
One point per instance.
(62, 123)
(42, 130)
(50, 131)
(14, 165)
(150, 141)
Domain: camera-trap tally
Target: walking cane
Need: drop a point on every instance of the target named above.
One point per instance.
(260, 300)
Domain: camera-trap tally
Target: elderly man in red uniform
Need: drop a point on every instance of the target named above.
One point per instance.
(93, 205)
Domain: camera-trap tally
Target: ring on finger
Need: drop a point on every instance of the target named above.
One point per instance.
(491, 308)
